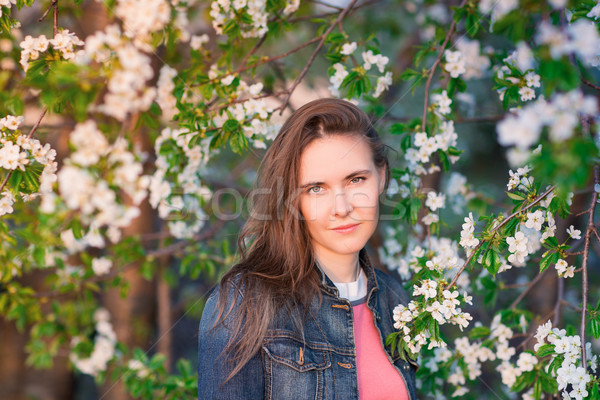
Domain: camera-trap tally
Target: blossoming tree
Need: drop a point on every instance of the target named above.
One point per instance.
(143, 118)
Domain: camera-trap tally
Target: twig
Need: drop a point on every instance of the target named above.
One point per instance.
(535, 280)
(496, 229)
(155, 254)
(314, 54)
(326, 4)
(559, 299)
(50, 7)
(531, 335)
(584, 275)
(55, 11)
(37, 124)
(590, 84)
(434, 66)
(253, 50)
(571, 306)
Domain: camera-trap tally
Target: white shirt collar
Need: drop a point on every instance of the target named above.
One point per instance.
(353, 291)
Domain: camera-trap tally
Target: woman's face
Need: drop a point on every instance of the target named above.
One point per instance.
(339, 190)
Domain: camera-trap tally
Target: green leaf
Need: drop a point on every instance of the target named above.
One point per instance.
(548, 259)
(537, 389)
(545, 350)
(594, 327)
(335, 38)
(444, 160)
(492, 261)
(479, 332)
(415, 207)
(595, 392)
(515, 196)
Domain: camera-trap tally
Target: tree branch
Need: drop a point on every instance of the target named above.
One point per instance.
(535, 280)
(314, 54)
(496, 229)
(590, 84)
(172, 249)
(434, 66)
(584, 275)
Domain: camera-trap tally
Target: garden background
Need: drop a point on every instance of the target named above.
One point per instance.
(130, 135)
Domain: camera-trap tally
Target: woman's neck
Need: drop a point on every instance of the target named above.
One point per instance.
(340, 268)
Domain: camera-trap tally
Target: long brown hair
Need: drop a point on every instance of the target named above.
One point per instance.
(276, 258)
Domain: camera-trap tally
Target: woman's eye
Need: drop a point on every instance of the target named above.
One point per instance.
(357, 179)
(315, 189)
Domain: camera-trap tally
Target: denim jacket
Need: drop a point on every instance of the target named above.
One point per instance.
(318, 363)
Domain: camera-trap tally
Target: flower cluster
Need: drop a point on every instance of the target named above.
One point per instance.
(580, 37)
(104, 346)
(83, 187)
(441, 305)
(339, 71)
(251, 16)
(518, 70)
(127, 75)
(175, 188)
(6, 3)
(564, 270)
(474, 62)
(561, 115)
(140, 19)
(572, 379)
(17, 151)
(455, 63)
(467, 238)
(442, 103)
(425, 146)
(164, 92)
(63, 43)
(497, 8)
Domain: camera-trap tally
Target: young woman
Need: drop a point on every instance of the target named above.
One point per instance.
(304, 315)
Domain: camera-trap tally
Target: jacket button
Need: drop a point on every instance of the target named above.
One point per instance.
(406, 367)
(378, 318)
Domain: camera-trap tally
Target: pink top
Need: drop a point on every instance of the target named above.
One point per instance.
(377, 377)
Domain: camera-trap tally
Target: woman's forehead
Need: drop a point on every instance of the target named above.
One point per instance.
(335, 155)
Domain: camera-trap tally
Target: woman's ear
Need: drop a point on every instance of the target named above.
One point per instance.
(382, 173)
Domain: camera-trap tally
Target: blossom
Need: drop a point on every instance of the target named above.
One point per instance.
(427, 289)
(574, 233)
(435, 200)
(430, 218)
(442, 102)
(526, 362)
(196, 42)
(475, 63)
(338, 77)
(535, 220)
(101, 266)
(532, 79)
(455, 65)
(374, 59)
(348, 48)
(383, 83)
(594, 12)
(526, 93)
(11, 122)
(6, 203)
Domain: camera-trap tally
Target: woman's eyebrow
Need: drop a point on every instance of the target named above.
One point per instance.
(349, 176)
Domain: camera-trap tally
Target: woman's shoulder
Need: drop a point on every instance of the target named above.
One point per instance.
(391, 286)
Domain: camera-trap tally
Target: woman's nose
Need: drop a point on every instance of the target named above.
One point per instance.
(342, 204)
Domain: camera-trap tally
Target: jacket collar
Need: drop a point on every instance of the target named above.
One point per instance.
(365, 263)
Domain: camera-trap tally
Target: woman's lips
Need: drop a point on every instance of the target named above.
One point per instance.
(346, 228)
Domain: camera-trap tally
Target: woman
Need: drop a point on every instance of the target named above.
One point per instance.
(304, 315)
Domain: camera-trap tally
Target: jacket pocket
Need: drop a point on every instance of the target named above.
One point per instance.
(294, 370)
